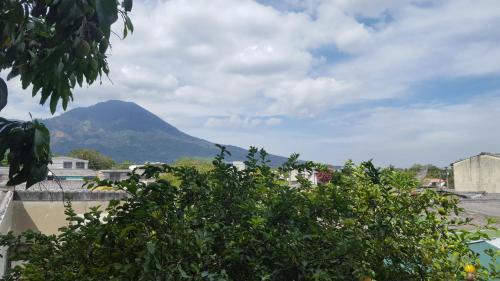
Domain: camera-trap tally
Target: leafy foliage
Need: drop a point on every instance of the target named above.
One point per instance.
(225, 224)
(324, 173)
(55, 44)
(123, 165)
(26, 145)
(200, 164)
(52, 45)
(97, 161)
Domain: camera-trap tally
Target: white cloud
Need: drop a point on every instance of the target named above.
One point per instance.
(307, 97)
(273, 121)
(241, 57)
(449, 39)
(251, 65)
(236, 121)
(423, 133)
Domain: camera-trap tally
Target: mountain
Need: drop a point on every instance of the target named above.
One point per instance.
(126, 131)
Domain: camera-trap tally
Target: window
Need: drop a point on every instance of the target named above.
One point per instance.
(80, 165)
(68, 165)
(114, 176)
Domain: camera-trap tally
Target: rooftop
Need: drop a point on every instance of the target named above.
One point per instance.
(480, 154)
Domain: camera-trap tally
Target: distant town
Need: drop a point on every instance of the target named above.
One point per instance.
(476, 174)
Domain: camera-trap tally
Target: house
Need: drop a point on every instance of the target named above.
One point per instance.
(480, 173)
(436, 183)
(62, 168)
(65, 162)
(71, 174)
(293, 177)
(70, 169)
(240, 165)
(114, 175)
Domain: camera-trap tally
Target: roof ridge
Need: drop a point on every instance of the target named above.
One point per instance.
(480, 154)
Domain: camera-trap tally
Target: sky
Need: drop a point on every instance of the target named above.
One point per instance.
(396, 81)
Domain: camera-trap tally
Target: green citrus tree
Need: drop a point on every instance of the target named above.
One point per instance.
(52, 46)
(225, 224)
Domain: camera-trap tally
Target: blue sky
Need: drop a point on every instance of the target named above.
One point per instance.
(398, 81)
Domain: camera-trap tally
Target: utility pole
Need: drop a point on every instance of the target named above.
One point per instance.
(447, 178)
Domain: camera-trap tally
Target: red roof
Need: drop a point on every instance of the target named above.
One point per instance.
(437, 180)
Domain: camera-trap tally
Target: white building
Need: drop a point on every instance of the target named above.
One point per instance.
(114, 175)
(240, 165)
(65, 162)
(293, 177)
(70, 168)
(480, 173)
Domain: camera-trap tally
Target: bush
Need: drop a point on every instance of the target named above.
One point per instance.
(97, 160)
(226, 224)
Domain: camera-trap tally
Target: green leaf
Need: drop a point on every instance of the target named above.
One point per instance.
(107, 12)
(127, 5)
(17, 13)
(41, 141)
(128, 24)
(36, 88)
(53, 102)
(4, 94)
(29, 151)
(13, 73)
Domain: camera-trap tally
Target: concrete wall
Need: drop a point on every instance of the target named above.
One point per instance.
(44, 210)
(46, 216)
(477, 174)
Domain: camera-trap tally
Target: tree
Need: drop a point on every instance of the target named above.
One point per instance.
(225, 224)
(97, 160)
(52, 46)
(124, 165)
(200, 164)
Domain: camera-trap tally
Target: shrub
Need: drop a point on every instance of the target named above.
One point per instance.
(225, 224)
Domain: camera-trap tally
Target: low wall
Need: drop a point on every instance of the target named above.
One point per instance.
(44, 210)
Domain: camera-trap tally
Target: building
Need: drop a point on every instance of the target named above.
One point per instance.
(293, 177)
(480, 173)
(65, 162)
(240, 165)
(114, 175)
(71, 174)
(70, 169)
(436, 183)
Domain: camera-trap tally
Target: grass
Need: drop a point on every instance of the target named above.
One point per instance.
(493, 233)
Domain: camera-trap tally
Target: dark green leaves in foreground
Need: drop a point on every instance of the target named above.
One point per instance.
(58, 44)
(4, 94)
(250, 225)
(27, 145)
(53, 46)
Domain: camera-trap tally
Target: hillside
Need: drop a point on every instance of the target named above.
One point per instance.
(126, 131)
